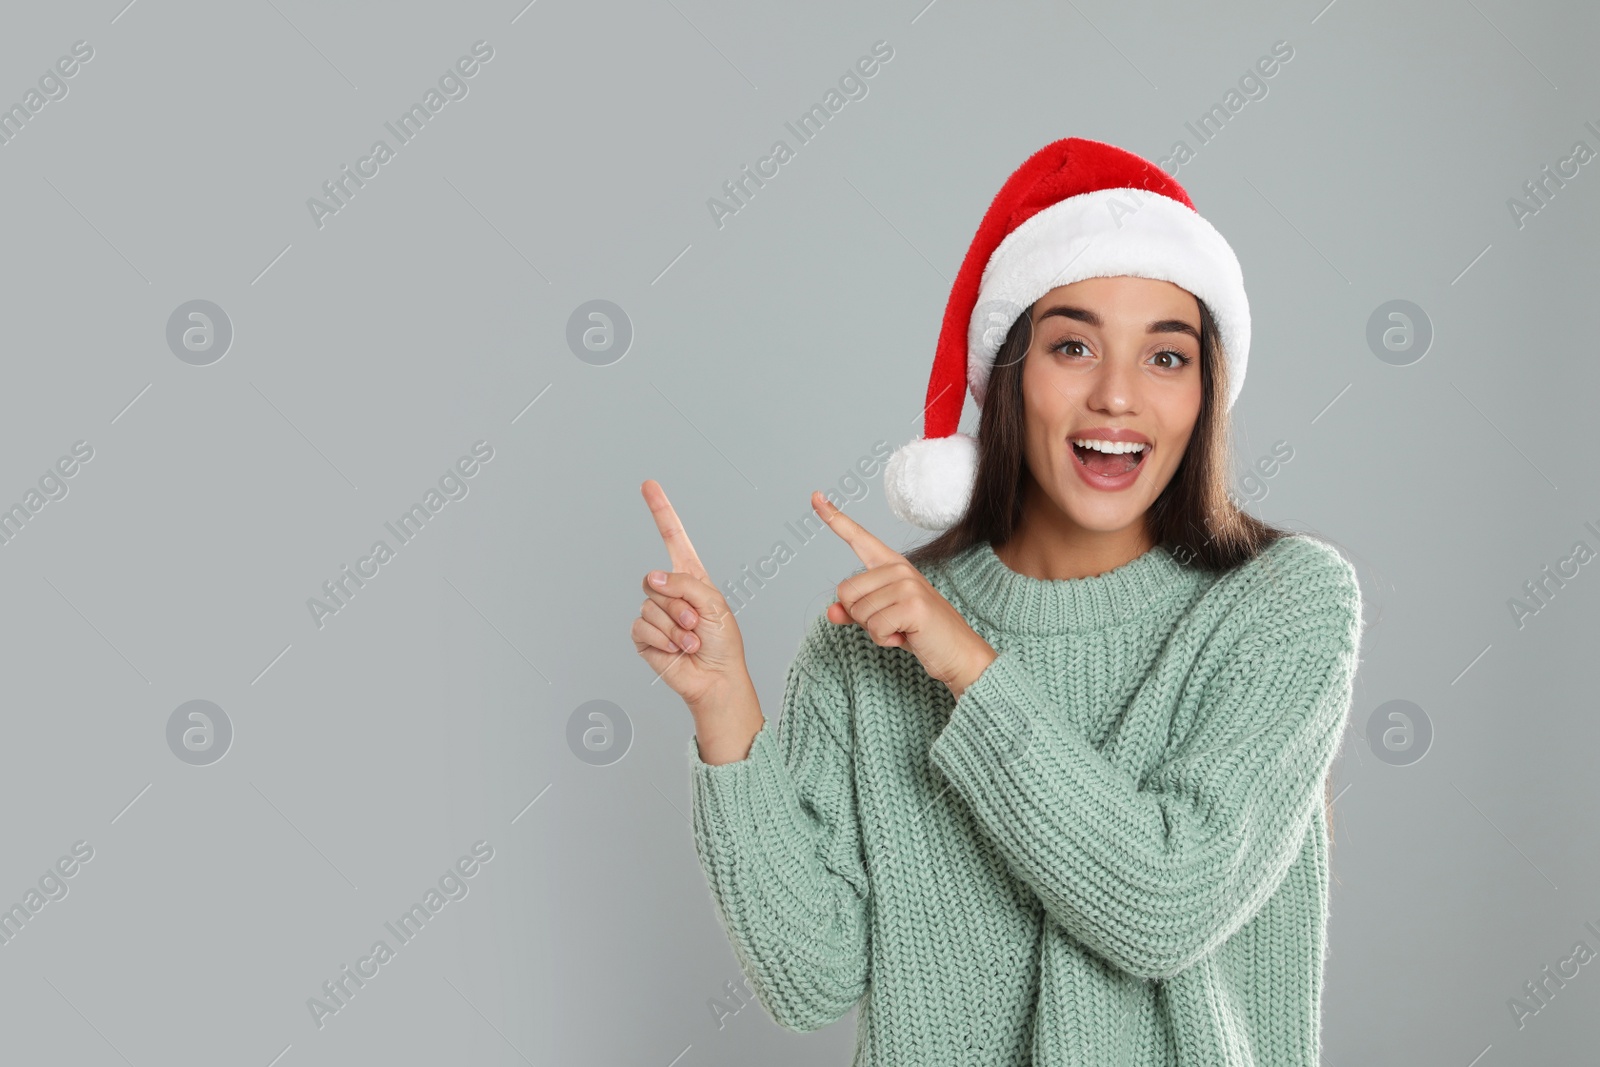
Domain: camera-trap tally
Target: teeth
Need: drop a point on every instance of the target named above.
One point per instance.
(1111, 447)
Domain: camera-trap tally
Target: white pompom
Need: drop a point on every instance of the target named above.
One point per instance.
(929, 481)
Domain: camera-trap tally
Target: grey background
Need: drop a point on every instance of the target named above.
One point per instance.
(768, 357)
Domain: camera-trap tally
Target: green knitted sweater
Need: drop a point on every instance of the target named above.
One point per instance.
(1110, 851)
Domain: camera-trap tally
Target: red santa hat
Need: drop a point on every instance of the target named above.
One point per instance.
(1075, 209)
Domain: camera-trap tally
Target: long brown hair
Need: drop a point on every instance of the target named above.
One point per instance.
(1195, 516)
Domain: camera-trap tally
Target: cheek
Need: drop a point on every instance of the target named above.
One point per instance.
(1042, 427)
(1177, 421)
(1050, 398)
(1167, 465)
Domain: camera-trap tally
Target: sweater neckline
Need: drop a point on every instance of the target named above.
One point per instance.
(1011, 601)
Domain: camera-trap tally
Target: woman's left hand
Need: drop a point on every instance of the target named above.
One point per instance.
(899, 608)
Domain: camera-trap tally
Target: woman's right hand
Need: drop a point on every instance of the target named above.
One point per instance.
(685, 629)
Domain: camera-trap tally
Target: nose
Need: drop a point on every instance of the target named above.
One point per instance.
(1115, 387)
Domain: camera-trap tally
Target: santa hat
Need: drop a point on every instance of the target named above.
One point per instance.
(1075, 209)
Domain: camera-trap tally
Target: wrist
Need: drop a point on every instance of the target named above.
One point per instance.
(982, 655)
(725, 699)
(726, 722)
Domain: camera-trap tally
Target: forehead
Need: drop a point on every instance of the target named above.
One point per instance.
(1124, 296)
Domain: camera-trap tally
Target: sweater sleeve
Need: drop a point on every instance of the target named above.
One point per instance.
(1154, 876)
(778, 840)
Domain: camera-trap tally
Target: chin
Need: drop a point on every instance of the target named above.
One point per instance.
(1102, 515)
(1107, 524)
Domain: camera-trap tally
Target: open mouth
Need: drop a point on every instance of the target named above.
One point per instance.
(1109, 459)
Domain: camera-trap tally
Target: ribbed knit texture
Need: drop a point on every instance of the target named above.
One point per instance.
(1110, 851)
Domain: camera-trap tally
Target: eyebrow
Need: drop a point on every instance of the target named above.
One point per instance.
(1084, 315)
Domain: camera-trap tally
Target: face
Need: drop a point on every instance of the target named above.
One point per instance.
(1111, 360)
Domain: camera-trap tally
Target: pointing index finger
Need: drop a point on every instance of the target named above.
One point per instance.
(867, 548)
(679, 549)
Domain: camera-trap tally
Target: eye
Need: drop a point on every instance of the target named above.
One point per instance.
(1066, 343)
(1180, 360)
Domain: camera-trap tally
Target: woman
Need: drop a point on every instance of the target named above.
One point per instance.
(1050, 788)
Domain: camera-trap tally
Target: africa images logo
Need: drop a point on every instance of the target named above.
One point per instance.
(852, 86)
(452, 86)
(453, 485)
(453, 885)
